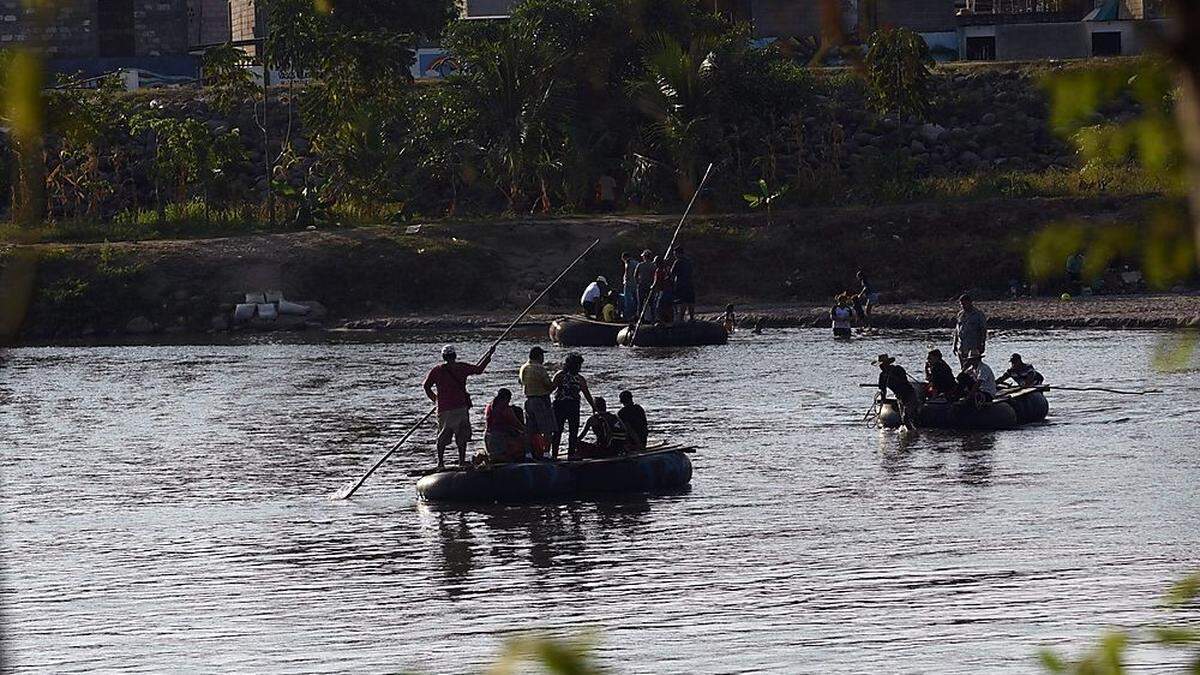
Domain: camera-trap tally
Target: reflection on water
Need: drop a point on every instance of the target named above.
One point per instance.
(165, 508)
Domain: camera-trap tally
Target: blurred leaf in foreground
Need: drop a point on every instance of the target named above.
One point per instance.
(557, 657)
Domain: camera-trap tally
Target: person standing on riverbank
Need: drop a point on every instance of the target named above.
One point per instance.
(868, 296)
(970, 329)
(446, 385)
(540, 424)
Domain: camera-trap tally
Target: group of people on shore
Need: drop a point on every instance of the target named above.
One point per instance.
(851, 307)
(660, 287)
(553, 404)
(976, 382)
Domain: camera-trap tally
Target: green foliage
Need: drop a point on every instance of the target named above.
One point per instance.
(187, 152)
(227, 78)
(359, 53)
(1108, 656)
(1164, 243)
(90, 289)
(556, 657)
(899, 71)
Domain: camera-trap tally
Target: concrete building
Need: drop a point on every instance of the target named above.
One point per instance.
(1015, 30)
(954, 29)
(98, 36)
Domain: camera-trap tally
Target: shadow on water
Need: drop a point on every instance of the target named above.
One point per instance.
(551, 538)
(975, 450)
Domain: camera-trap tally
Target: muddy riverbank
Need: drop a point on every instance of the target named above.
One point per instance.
(1156, 311)
(460, 274)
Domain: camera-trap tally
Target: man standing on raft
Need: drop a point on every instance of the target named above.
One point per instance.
(446, 385)
(970, 330)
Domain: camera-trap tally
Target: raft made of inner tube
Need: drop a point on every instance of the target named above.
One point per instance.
(682, 334)
(578, 331)
(1007, 411)
(1029, 403)
(652, 471)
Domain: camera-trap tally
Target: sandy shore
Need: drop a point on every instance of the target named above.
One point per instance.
(1117, 311)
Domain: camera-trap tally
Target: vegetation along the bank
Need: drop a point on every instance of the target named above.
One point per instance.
(543, 107)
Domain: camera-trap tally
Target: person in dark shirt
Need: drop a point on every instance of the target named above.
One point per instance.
(608, 430)
(893, 377)
(685, 292)
(1022, 374)
(939, 376)
(633, 416)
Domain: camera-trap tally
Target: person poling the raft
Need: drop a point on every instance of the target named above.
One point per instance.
(609, 432)
(893, 377)
(840, 316)
(1021, 374)
(593, 296)
(446, 385)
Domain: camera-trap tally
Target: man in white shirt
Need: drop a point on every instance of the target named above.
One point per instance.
(592, 295)
(981, 373)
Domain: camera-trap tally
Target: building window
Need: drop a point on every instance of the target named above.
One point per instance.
(1107, 43)
(114, 27)
(981, 48)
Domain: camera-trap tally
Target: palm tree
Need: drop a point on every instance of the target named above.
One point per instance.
(674, 92)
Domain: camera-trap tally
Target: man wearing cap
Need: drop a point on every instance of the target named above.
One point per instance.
(539, 413)
(446, 385)
(592, 296)
(981, 374)
(970, 331)
(893, 377)
(1022, 374)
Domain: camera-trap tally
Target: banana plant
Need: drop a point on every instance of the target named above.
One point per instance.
(764, 196)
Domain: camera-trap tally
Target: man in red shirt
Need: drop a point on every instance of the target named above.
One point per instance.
(446, 385)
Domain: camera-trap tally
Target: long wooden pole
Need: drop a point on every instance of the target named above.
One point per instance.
(670, 247)
(352, 486)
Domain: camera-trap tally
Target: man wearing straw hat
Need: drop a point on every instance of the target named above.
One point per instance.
(893, 377)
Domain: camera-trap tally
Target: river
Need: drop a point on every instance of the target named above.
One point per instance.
(165, 508)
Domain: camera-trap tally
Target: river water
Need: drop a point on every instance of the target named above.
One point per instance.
(166, 508)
